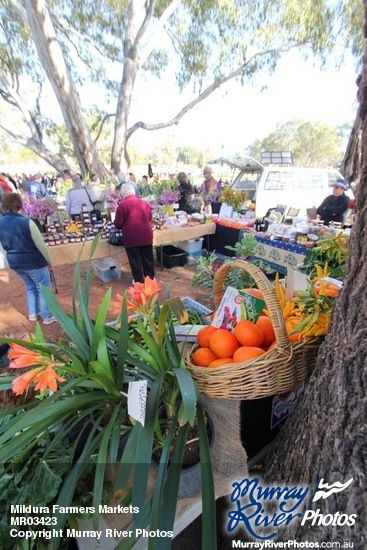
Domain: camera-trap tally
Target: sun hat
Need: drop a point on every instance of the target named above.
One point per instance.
(207, 169)
(340, 182)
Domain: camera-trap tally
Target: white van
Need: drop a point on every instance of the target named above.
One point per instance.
(269, 186)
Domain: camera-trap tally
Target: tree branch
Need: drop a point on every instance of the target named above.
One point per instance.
(206, 93)
(145, 24)
(170, 9)
(37, 147)
(12, 97)
(20, 9)
(85, 38)
(102, 123)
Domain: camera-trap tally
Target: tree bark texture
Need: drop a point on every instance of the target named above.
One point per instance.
(119, 157)
(326, 435)
(53, 62)
(350, 165)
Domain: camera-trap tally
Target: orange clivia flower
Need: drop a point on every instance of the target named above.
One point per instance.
(149, 288)
(48, 379)
(118, 304)
(24, 357)
(142, 292)
(141, 295)
(22, 382)
(136, 292)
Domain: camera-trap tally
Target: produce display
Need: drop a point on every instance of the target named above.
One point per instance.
(306, 315)
(332, 251)
(221, 346)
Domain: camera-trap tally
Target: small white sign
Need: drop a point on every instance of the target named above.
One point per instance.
(137, 400)
(295, 281)
(225, 211)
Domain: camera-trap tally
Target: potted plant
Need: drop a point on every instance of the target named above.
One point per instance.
(39, 209)
(233, 197)
(87, 375)
(155, 327)
(112, 199)
(209, 264)
(196, 204)
(168, 198)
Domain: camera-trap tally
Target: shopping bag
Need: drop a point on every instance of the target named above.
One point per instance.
(115, 238)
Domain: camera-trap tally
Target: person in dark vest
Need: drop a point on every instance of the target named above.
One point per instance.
(36, 188)
(27, 254)
(186, 190)
(333, 208)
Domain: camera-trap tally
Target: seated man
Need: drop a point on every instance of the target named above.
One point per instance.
(332, 208)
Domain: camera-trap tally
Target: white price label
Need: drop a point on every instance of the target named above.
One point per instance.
(137, 400)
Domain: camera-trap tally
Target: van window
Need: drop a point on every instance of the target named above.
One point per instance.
(280, 180)
(246, 180)
(311, 180)
(288, 180)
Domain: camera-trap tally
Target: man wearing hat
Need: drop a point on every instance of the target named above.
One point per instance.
(209, 187)
(332, 208)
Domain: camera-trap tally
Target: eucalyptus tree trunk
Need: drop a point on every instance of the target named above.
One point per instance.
(53, 62)
(326, 436)
(350, 165)
(119, 157)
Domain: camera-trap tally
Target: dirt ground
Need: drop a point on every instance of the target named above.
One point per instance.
(13, 305)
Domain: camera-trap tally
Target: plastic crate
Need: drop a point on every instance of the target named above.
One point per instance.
(171, 256)
(107, 269)
(192, 246)
(193, 258)
(193, 306)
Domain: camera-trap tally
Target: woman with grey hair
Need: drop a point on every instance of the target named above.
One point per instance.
(125, 178)
(133, 217)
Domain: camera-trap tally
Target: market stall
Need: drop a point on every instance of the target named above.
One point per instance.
(68, 253)
(177, 236)
(185, 233)
(279, 255)
(276, 253)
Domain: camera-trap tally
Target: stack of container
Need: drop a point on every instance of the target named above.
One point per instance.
(193, 248)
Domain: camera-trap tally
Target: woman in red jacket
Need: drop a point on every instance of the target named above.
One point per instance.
(133, 217)
(4, 183)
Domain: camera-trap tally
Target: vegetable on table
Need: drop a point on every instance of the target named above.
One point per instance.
(308, 313)
(332, 252)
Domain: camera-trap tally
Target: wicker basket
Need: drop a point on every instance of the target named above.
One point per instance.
(278, 370)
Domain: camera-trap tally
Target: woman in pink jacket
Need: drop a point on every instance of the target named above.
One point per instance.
(133, 217)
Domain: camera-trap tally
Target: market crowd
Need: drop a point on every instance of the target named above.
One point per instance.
(91, 195)
(24, 246)
(26, 250)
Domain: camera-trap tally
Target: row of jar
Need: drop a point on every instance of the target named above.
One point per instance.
(66, 238)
